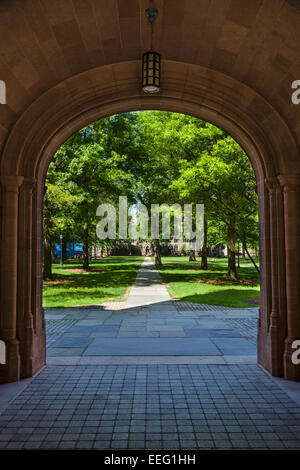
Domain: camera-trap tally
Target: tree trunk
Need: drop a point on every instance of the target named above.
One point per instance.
(232, 272)
(250, 257)
(47, 261)
(64, 250)
(47, 239)
(86, 264)
(192, 255)
(156, 250)
(204, 247)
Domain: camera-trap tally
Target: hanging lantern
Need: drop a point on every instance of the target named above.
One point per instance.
(151, 72)
(151, 60)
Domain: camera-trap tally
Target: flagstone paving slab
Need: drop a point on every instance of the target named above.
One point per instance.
(72, 341)
(234, 346)
(151, 346)
(65, 351)
(207, 333)
(148, 315)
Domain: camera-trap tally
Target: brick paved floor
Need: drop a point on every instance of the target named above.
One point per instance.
(151, 407)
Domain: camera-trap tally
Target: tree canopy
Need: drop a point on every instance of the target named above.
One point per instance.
(152, 157)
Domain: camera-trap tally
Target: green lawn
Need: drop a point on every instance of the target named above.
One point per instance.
(187, 282)
(109, 280)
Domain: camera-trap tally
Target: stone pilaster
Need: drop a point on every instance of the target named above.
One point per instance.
(291, 192)
(277, 315)
(9, 251)
(263, 347)
(24, 316)
(39, 340)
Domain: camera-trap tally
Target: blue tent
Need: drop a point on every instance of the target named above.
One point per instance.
(71, 253)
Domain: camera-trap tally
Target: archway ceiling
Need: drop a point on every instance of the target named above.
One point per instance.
(45, 42)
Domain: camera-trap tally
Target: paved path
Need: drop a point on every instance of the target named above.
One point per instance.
(150, 328)
(148, 289)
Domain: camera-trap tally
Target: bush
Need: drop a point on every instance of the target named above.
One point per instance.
(125, 249)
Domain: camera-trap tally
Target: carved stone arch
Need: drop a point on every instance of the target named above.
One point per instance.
(111, 89)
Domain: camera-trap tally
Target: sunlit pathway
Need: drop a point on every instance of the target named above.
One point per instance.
(148, 289)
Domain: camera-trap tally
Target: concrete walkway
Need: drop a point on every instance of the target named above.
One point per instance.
(150, 328)
(148, 289)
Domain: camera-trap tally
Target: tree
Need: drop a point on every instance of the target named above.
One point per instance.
(156, 157)
(58, 205)
(94, 164)
(224, 180)
(171, 141)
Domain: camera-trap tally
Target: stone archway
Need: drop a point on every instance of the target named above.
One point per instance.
(186, 88)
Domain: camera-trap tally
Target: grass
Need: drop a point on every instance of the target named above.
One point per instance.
(187, 282)
(110, 279)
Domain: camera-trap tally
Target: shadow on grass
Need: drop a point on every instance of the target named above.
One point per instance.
(192, 277)
(91, 287)
(227, 298)
(107, 260)
(189, 283)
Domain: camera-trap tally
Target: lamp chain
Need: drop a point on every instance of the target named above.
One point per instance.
(151, 40)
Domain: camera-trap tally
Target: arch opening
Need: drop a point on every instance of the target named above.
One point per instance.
(188, 89)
